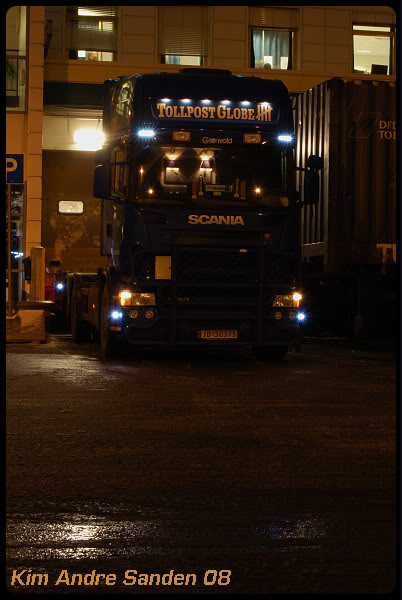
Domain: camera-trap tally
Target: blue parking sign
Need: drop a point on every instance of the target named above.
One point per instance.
(14, 168)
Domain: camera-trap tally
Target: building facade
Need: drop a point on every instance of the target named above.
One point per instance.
(25, 30)
(70, 51)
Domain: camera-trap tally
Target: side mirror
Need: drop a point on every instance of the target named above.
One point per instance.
(102, 181)
(315, 162)
(102, 156)
(311, 193)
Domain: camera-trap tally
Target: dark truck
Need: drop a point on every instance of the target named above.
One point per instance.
(199, 216)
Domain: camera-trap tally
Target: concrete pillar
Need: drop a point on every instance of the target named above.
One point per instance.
(34, 129)
(37, 273)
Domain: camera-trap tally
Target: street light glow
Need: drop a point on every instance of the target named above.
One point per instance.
(89, 139)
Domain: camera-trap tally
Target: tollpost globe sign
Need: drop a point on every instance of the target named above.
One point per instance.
(261, 112)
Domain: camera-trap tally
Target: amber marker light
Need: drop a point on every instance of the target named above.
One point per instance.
(297, 297)
(251, 138)
(181, 136)
(125, 298)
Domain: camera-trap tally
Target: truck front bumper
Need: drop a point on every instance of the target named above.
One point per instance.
(188, 327)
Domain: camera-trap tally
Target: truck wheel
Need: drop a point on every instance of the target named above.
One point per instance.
(271, 353)
(80, 329)
(110, 347)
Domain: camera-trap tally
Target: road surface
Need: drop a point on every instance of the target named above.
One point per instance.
(212, 472)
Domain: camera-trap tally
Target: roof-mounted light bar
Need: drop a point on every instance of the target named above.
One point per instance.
(285, 138)
(146, 133)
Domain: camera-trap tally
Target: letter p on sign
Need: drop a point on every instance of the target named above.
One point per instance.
(11, 164)
(14, 168)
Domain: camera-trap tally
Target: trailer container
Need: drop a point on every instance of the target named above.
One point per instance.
(352, 125)
(349, 237)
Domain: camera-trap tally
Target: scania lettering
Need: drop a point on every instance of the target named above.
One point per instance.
(215, 219)
(199, 216)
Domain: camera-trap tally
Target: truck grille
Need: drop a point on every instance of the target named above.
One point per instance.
(219, 266)
(224, 277)
(218, 289)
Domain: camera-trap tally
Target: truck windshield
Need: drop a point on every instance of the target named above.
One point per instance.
(213, 176)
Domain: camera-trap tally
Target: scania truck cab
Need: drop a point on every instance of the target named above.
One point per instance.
(199, 216)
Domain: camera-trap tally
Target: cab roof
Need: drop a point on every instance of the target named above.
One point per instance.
(214, 86)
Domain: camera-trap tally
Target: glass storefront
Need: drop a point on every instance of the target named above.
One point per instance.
(15, 221)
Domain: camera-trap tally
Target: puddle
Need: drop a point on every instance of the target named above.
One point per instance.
(80, 536)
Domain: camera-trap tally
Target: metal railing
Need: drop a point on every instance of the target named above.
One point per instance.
(48, 35)
(15, 80)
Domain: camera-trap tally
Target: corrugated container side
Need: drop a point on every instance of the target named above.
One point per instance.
(310, 140)
(352, 126)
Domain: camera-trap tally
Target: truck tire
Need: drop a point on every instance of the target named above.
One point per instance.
(271, 353)
(80, 329)
(110, 346)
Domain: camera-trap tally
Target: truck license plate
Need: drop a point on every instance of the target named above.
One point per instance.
(217, 334)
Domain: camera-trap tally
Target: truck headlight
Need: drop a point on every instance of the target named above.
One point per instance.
(288, 300)
(128, 298)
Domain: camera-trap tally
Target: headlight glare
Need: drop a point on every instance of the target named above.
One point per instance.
(283, 300)
(128, 298)
(125, 298)
(288, 300)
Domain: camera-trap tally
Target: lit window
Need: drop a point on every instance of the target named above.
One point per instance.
(94, 55)
(271, 49)
(71, 207)
(170, 59)
(92, 32)
(373, 48)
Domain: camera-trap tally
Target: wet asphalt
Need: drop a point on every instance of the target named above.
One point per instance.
(213, 471)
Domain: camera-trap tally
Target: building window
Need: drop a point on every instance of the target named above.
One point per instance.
(183, 34)
(92, 32)
(16, 58)
(271, 49)
(272, 42)
(373, 49)
(170, 59)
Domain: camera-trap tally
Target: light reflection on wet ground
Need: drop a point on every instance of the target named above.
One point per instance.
(278, 550)
(78, 536)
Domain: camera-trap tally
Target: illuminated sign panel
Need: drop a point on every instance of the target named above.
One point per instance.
(262, 112)
(14, 168)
